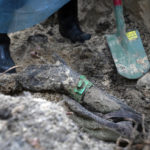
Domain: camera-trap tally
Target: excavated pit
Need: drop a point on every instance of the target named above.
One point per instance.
(92, 58)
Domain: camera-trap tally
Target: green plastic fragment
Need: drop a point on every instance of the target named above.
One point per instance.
(82, 87)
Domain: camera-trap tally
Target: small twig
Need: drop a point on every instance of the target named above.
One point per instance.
(143, 124)
(14, 67)
(69, 113)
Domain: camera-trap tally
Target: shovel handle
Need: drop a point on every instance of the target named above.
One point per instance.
(119, 17)
(117, 2)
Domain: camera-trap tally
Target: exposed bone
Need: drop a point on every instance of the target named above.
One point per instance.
(116, 117)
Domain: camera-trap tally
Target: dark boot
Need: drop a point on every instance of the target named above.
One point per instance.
(69, 24)
(6, 61)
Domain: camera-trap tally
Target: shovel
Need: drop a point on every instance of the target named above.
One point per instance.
(126, 48)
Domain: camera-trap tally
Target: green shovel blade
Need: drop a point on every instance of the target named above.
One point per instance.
(131, 60)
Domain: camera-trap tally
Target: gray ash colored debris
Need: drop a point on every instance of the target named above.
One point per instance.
(36, 124)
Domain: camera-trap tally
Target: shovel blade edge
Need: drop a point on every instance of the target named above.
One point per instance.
(131, 61)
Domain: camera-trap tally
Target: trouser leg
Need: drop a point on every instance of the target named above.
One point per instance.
(69, 24)
(6, 61)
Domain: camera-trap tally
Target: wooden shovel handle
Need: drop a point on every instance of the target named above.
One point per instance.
(117, 2)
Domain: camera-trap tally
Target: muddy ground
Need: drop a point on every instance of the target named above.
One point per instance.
(92, 58)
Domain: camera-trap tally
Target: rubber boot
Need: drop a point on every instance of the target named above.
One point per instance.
(69, 24)
(6, 61)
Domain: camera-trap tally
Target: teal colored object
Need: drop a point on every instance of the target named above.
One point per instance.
(127, 49)
(82, 87)
(17, 15)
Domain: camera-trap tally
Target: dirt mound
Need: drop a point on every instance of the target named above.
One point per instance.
(27, 123)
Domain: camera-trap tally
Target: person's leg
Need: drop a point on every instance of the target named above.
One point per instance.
(6, 61)
(69, 24)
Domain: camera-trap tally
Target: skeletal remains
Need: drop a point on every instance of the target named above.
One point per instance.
(98, 113)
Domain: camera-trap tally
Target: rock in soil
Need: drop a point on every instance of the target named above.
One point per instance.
(28, 123)
(144, 82)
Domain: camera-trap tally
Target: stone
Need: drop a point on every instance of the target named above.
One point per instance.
(144, 82)
(42, 125)
(8, 83)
